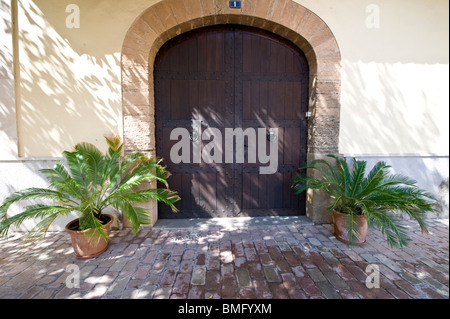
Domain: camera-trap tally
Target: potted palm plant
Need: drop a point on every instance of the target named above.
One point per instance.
(91, 183)
(360, 200)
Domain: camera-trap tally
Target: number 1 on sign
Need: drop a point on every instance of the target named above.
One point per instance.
(235, 4)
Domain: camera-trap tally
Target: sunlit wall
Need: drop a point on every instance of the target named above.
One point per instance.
(394, 90)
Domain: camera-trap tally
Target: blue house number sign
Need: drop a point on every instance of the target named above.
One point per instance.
(235, 4)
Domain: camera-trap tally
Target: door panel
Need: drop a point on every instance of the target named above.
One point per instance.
(232, 77)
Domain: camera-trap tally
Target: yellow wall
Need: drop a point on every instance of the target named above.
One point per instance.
(395, 78)
(394, 89)
(70, 79)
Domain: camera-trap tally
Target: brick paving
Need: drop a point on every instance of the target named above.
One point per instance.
(257, 262)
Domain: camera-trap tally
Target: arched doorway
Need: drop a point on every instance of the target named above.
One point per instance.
(224, 79)
(167, 19)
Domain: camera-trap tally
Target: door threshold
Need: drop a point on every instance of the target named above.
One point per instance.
(231, 223)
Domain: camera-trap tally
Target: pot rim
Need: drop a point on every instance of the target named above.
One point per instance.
(84, 231)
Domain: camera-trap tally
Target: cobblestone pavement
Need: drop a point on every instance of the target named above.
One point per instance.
(294, 261)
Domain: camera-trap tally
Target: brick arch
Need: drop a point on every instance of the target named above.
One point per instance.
(169, 18)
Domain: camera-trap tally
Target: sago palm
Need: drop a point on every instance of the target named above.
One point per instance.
(91, 183)
(379, 195)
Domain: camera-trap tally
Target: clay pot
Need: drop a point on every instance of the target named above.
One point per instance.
(83, 246)
(341, 228)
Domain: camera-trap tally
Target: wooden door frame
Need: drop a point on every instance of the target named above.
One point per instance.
(169, 18)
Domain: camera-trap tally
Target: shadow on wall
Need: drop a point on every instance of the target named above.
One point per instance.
(389, 109)
(394, 77)
(8, 130)
(66, 96)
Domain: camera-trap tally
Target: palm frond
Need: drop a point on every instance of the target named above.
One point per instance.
(114, 144)
(329, 180)
(344, 173)
(93, 227)
(79, 170)
(137, 215)
(93, 159)
(379, 195)
(374, 178)
(353, 233)
(302, 183)
(359, 169)
(112, 167)
(27, 194)
(31, 212)
(390, 226)
(90, 183)
(163, 195)
(41, 228)
(326, 169)
(60, 179)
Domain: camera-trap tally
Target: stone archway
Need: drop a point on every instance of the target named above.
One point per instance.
(169, 18)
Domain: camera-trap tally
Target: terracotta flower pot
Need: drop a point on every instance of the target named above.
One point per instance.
(83, 246)
(341, 229)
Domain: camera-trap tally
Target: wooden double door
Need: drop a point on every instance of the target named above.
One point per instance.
(230, 77)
